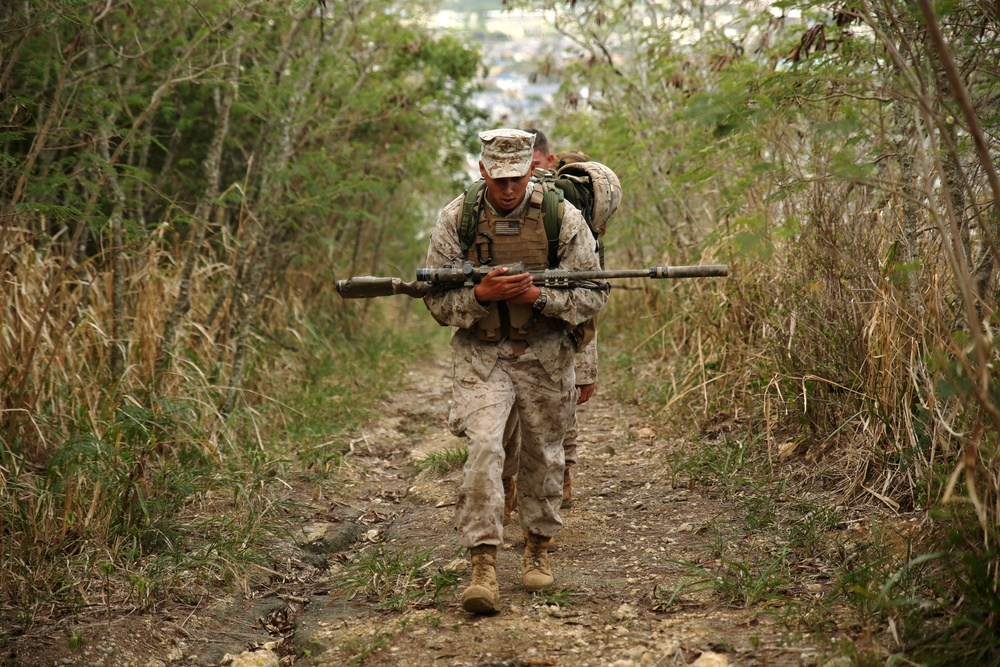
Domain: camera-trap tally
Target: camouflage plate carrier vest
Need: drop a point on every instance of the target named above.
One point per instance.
(502, 240)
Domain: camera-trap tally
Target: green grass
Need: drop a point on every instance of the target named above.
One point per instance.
(140, 507)
(143, 503)
(395, 579)
(563, 597)
(361, 648)
(446, 460)
(342, 378)
(744, 583)
(776, 536)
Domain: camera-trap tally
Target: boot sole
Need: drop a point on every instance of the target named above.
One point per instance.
(534, 588)
(479, 604)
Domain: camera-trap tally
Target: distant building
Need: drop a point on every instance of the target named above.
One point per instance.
(449, 20)
(518, 24)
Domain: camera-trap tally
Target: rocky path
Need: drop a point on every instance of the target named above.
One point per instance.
(634, 531)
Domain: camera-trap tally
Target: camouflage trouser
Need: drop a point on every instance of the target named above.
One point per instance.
(480, 410)
(511, 445)
(569, 443)
(512, 439)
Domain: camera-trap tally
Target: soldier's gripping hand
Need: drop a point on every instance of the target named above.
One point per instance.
(496, 286)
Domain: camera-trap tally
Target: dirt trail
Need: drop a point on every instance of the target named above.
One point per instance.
(615, 565)
(615, 558)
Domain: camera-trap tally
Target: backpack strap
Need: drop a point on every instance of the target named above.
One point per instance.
(470, 215)
(552, 215)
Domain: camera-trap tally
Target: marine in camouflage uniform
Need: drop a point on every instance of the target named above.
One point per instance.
(586, 367)
(511, 350)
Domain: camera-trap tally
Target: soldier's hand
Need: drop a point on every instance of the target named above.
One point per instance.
(496, 286)
(586, 392)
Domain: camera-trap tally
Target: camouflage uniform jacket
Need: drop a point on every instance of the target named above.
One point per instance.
(459, 308)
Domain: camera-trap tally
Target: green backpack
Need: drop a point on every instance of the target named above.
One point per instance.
(589, 186)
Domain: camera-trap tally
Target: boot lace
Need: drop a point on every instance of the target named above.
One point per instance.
(535, 552)
(481, 565)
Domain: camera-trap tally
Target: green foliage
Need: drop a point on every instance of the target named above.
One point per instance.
(775, 535)
(563, 597)
(343, 377)
(116, 464)
(76, 640)
(125, 504)
(743, 583)
(965, 597)
(446, 460)
(143, 418)
(731, 464)
(395, 579)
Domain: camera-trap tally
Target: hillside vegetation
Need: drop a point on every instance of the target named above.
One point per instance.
(840, 157)
(183, 182)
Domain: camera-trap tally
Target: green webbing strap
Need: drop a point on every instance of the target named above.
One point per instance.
(470, 215)
(551, 198)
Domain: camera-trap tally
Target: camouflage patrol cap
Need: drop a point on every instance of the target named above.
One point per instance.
(507, 153)
(564, 158)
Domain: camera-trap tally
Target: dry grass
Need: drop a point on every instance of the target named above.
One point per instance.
(853, 371)
(844, 337)
(110, 491)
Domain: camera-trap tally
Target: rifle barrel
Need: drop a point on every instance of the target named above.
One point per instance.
(695, 271)
(552, 277)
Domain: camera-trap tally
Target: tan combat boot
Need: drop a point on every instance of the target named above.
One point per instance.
(537, 570)
(567, 489)
(509, 496)
(549, 542)
(483, 595)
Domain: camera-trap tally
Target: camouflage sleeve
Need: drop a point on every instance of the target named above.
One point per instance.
(586, 363)
(453, 307)
(577, 252)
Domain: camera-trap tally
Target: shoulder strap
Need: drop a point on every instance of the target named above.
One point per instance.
(552, 215)
(470, 215)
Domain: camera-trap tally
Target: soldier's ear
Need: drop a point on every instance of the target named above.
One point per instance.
(482, 170)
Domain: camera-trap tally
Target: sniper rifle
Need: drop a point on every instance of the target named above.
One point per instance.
(467, 275)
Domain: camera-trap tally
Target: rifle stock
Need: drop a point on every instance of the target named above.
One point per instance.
(429, 279)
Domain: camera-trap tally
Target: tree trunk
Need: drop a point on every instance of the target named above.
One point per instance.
(906, 130)
(213, 180)
(117, 259)
(248, 290)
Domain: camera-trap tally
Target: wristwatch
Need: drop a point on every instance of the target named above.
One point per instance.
(540, 302)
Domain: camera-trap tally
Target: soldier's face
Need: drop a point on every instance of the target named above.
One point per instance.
(505, 193)
(541, 160)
